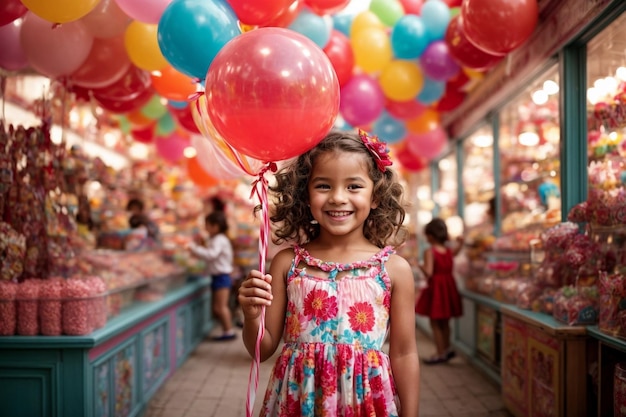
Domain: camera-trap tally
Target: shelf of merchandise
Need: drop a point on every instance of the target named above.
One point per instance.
(113, 371)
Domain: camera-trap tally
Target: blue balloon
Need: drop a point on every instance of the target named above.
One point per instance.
(192, 32)
(431, 91)
(177, 104)
(389, 129)
(436, 15)
(314, 27)
(343, 23)
(408, 37)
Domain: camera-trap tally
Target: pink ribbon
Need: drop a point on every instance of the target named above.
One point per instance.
(259, 189)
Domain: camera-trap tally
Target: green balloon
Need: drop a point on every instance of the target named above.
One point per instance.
(154, 109)
(454, 11)
(165, 125)
(124, 124)
(388, 11)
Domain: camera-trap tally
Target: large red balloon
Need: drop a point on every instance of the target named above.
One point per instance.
(106, 63)
(463, 51)
(258, 12)
(272, 94)
(11, 10)
(339, 51)
(499, 26)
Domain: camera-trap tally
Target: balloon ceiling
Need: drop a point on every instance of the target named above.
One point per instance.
(249, 82)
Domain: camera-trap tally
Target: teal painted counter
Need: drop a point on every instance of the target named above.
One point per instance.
(111, 372)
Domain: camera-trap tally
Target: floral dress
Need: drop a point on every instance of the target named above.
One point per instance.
(331, 363)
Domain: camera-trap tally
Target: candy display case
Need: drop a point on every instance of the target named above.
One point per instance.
(543, 365)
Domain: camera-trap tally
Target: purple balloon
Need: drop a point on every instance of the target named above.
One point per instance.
(362, 100)
(12, 56)
(437, 63)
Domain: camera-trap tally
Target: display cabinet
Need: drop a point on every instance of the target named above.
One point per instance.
(544, 370)
(113, 371)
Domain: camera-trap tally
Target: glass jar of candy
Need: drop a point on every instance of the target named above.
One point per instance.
(619, 390)
(612, 303)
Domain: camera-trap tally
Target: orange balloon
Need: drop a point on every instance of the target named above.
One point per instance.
(137, 119)
(199, 175)
(172, 84)
(425, 122)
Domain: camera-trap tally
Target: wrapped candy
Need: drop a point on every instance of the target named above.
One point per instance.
(574, 307)
(612, 312)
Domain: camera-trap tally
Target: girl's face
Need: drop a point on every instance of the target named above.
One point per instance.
(340, 192)
(212, 229)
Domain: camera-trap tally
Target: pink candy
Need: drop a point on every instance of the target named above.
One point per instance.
(8, 313)
(77, 296)
(28, 307)
(50, 306)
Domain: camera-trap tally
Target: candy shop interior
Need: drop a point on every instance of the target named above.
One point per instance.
(518, 144)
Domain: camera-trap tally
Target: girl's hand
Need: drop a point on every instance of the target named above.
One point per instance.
(254, 293)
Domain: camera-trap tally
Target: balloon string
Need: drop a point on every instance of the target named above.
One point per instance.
(201, 109)
(259, 188)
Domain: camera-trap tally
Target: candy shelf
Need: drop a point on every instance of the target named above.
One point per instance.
(611, 351)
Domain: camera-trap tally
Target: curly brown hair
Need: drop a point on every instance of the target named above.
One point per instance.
(292, 215)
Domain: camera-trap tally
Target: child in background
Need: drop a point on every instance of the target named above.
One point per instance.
(440, 300)
(217, 251)
(338, 293)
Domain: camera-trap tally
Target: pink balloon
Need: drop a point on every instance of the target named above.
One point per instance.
(12, 55)
(106, 20)
(146, 11)
(427, 145)
(53, 50)
(213, 161)
(362, 100)
(171, 148)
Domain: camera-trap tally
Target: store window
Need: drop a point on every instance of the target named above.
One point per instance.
(478, 183)
(530, 196)
(606, 116)
(446, 196)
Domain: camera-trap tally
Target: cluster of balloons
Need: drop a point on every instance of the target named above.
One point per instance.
(276, 74)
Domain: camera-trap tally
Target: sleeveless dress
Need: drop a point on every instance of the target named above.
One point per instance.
(331, 363)
(440, 300)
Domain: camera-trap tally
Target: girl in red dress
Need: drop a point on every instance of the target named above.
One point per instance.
(440, 300)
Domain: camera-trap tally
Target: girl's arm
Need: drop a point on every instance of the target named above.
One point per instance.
(459, 245)
(402, 340)
(259, 290)
(211, 251)
(427, 267)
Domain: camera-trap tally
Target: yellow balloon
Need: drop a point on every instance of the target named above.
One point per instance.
(364, 21)
(60, 11)
(401, 80)
(142, 46)
(372, 49)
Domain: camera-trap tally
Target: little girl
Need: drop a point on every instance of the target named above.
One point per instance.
(218, 254)
(338, 293)
(440, 300)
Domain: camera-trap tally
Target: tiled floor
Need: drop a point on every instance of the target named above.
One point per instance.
(213, 383)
